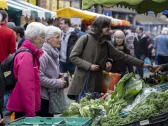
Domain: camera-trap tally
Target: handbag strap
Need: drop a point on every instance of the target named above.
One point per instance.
(86, 41)
(84, 88)
(86, 81)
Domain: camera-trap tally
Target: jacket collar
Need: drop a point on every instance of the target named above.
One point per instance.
(143, 36)
(2, 25)
(54, 53)
(69, 31)
(100, 40)
(28, 44)
(37, 52)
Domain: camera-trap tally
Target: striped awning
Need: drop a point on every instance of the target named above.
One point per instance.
(24, 10)
(28, 10)
(44, 13)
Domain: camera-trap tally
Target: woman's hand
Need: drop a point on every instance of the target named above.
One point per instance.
(61, 75)
(147, 66)
(94, 67)
(62, 83)
(156, 68)
(108, 66)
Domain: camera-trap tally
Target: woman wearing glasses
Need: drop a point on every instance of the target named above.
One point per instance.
(52, 95)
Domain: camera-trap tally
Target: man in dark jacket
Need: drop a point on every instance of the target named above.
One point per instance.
(69, 38)
(140, 48)
(19, 35)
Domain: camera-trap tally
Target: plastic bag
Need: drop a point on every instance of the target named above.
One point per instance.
(109, 81)
(147, 61)
(140, 99)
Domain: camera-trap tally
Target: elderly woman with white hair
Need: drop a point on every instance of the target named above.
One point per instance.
(119, 43)
(52, 95)
(25, 97)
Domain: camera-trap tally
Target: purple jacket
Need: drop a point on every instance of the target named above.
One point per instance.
(25, 97)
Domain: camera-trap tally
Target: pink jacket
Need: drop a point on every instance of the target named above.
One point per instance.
(25, 97)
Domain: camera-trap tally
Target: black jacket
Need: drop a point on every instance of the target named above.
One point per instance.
(120, 66)
(141, 46)
(20, 43)
(71, 42)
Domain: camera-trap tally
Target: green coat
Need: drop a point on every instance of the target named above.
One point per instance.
(97, 52)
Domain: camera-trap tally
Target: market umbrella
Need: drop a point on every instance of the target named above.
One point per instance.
(141, 6)
(3, 4)
(87, 16)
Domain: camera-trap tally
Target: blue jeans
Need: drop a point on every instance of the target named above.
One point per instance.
(6, 97)
(156, 60)
(67, 67)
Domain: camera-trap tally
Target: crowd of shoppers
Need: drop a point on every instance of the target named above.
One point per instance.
(54, 51)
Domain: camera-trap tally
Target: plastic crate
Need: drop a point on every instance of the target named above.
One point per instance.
(162, 87)
(55, 121)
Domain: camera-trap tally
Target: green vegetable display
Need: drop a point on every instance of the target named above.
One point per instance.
(108, 112)
(73, 110)
(157, 78)
(132, 88)
(119, 89)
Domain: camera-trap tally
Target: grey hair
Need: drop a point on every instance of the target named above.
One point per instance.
(34, 30)
(11, 25)
(50, 31)
(119, 32)
(165, 30)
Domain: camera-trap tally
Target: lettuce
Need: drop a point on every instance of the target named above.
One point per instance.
(132, 88)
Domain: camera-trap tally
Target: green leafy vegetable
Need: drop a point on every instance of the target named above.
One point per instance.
(132, 88)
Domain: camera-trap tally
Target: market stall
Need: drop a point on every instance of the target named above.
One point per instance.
(44, 12)
(31, 10)
(133, 102)
(20, 11)
(87, 16)
(129, 102)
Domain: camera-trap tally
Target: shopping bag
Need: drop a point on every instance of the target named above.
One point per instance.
(109, 81)
(147, 61)
(12, 117)
(57, 101)
(85, 88)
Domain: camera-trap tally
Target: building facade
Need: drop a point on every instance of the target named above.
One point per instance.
(54, 5)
